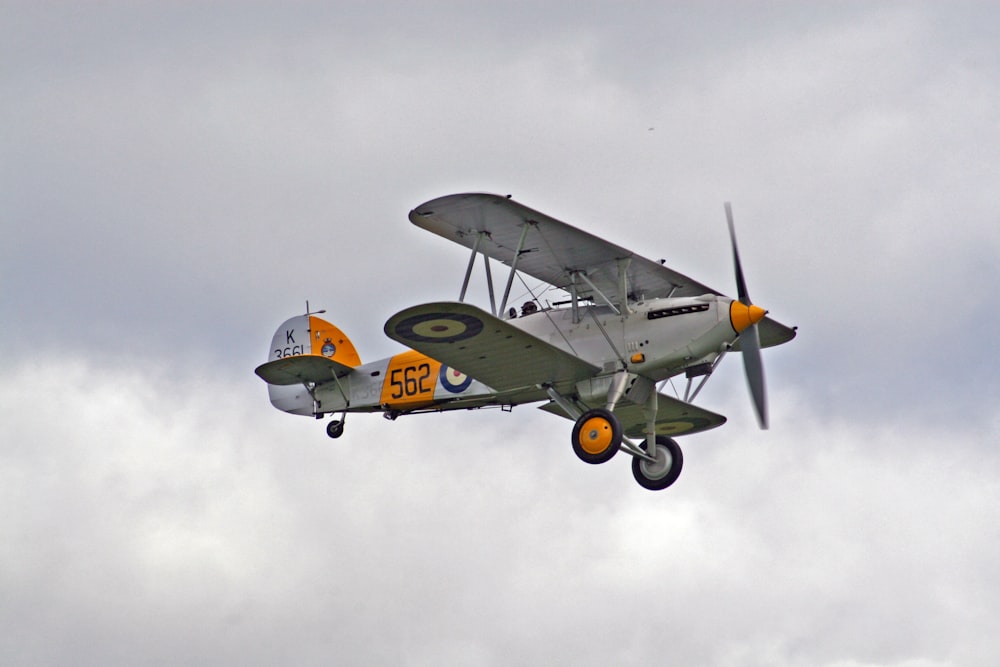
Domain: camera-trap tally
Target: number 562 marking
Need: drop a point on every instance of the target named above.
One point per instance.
(411, 381)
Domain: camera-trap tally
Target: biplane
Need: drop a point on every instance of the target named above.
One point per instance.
(598, 355)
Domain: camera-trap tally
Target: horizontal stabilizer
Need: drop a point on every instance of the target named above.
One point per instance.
(301, 369)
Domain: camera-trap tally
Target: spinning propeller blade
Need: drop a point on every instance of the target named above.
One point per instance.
(749, 337)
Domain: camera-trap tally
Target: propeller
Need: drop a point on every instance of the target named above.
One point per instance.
(749, 336)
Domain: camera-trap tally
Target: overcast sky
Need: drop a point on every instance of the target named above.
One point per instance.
(177, 179)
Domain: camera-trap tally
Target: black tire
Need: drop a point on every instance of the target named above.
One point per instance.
(335, 429)
(657, 478)
(597, 435)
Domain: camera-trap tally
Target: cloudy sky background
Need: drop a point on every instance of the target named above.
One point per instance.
(176, 179)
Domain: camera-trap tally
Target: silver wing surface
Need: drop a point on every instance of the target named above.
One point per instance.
(488, 349)
(552, 251)
(673, 417)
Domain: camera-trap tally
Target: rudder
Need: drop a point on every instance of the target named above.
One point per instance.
(305, 350)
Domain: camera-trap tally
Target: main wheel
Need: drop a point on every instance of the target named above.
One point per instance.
(596, 436)
(335, 429)
(660, 474)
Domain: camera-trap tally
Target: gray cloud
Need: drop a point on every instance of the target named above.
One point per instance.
(176, 181)
(185, 525)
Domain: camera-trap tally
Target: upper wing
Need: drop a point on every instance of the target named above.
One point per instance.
(673, 417)
(486, 348)
(552, 250)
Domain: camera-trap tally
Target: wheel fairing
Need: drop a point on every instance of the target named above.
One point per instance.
(597, 435)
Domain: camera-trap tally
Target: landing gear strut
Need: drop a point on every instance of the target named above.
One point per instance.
(597, 437)
(661, 473)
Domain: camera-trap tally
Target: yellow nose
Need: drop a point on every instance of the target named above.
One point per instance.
(741, 316)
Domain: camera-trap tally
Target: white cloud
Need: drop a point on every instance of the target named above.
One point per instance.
(185, 520)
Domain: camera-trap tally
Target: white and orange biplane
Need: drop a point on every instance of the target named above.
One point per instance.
(598, 355)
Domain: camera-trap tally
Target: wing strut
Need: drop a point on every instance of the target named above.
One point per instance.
(597, 291)
(468, 270)
(489, 284)
(574, 297)
(688, 396)
(513, 265)
(623, 263)
(607, 337)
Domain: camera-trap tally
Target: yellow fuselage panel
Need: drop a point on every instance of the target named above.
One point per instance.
(410, 380)
(330, 342)
(306, 335)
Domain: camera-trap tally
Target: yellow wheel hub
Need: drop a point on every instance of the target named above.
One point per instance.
(595, 435)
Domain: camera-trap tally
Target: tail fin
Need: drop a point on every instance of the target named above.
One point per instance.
(305, 350)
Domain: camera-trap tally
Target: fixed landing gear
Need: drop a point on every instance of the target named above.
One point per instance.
(335, 428)
(597, 435)
(661, 473)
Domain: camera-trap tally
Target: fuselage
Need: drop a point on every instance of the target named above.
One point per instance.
(657, 339)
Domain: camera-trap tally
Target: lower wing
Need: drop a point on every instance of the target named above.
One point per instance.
(486, 348)
(673, 417)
